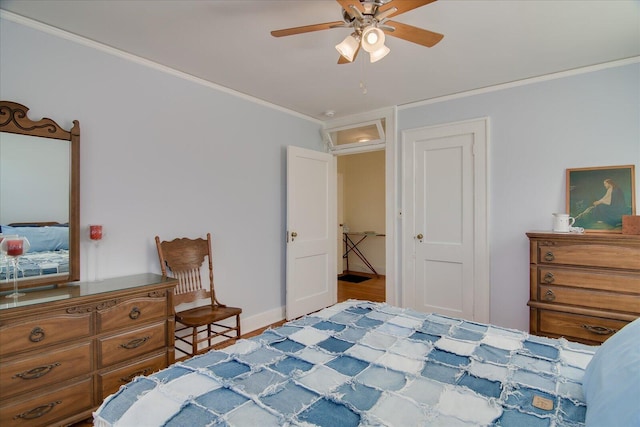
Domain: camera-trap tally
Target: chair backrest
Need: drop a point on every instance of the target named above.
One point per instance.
(184, 258)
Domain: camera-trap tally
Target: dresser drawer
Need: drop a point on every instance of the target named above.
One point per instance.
(48, 408)
(111, 381)
(32, 335)
(589, 254)
(130, 313)
(131, 344)
(568, 325)
(44, 369)
(589, 298)
(585, 278)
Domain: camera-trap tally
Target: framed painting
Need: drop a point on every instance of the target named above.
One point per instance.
(598, 197)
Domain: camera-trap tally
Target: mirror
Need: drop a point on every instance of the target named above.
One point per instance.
(40, 196)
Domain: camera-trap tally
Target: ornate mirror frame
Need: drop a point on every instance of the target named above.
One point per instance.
(13, 119)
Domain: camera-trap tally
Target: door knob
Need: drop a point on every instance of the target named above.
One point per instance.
(420, 237)
(294, 234)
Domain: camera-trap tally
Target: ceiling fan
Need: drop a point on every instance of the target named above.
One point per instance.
(369, 20)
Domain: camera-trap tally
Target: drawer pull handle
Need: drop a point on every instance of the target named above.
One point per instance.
(37, 334)
(600, 330)
(38, 372)
(34, 413)
(549, 278)
(135, 343)
(549, 256)
(134, 313)
(549, 295)
(128, 378)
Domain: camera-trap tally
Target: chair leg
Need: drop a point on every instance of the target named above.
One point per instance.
(238, 325)
(194, 342)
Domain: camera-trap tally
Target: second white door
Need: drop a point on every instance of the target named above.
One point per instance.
(444, 188)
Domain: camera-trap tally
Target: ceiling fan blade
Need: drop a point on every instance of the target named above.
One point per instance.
(343, 60)
(414, 34)
(346, 5)
(306, 29)
(403, 6)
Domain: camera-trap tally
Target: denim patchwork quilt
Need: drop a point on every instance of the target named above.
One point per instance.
(359, 363)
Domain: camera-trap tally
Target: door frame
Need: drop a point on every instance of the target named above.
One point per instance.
(394, 249)
(392, 214)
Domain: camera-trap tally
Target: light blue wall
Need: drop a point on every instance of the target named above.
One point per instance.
(537, 131)
(165, 155)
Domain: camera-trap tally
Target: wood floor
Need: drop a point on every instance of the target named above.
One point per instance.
(372, 289)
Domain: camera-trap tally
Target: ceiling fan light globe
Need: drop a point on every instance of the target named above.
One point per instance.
(372, 39)
(348, 47)
(379, 54)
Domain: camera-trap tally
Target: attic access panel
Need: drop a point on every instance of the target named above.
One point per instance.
(361, 134)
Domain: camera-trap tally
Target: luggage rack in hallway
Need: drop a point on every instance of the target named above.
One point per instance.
(351, 246)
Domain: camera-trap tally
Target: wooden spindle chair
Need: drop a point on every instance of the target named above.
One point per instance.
(184, 259)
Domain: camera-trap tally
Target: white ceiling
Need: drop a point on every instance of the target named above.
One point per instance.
(486, 43)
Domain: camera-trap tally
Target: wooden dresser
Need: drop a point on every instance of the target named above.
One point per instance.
(584, 287)
(63, 350)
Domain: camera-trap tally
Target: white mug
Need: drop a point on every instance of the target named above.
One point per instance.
(562, 222)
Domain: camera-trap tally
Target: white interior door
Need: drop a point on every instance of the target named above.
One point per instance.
(445, 220)
(311, 231)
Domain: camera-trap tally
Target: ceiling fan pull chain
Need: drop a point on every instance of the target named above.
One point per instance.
(363, 85)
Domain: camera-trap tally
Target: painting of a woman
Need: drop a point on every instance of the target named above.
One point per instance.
(593, 209)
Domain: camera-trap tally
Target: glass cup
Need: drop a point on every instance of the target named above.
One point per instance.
(13, 247)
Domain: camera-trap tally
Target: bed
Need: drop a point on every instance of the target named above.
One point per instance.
(373, 364)
(48, 253)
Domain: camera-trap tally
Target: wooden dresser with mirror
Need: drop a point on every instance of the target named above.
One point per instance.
(584, 287)
(65, 345)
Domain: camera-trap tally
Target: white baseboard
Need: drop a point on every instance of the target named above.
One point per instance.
(260, 320)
